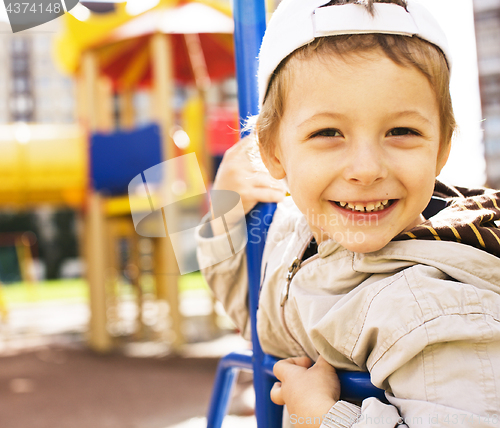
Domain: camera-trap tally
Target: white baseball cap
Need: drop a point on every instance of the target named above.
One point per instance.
(296, 23)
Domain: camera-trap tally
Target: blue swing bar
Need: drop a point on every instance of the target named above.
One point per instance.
(249, 29)
(250, 25)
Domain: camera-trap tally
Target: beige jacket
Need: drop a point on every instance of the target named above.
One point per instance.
(423, 317)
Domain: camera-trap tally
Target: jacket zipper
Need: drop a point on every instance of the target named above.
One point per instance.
(292, 271)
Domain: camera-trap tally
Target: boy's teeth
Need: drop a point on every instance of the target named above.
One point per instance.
(371, 207)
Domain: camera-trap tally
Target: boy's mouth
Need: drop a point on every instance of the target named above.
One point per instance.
(365, 208)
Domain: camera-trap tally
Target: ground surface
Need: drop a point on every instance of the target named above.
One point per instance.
(71, 388)
(50, 379)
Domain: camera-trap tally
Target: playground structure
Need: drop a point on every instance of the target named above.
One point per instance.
(31, 174)
(23, 244)
(88, 167)
(167, 45)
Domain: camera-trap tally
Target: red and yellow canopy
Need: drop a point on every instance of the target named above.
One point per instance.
(201, 38)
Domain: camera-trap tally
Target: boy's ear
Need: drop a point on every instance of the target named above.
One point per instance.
(443, 155)
(272, 160)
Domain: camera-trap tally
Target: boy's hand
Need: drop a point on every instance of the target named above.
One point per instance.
(308, 392)
(237, 173)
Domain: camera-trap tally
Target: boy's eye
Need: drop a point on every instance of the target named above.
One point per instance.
(327, 133)
(399, 132)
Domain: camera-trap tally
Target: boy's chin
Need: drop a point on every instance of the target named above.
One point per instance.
(366, 245)
(360, 241)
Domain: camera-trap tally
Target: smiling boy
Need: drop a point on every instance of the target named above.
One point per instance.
(356, 116)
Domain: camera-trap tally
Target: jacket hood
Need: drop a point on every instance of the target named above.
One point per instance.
(469, 218)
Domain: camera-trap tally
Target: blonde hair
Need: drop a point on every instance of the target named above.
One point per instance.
(403, 50)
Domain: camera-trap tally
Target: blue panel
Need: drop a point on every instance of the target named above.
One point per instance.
(117, 158)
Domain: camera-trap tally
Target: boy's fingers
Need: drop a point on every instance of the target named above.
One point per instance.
(305, 362)
(322, 362)
(281, 369)
(239, 146)
(262, 195)
(276, 395)
(264, 179)
(268, 195)
(284, 367)
(324, 368)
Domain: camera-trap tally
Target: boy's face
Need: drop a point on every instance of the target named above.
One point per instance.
(361, 131)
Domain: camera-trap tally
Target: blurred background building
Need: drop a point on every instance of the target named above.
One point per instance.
(31, 87)
(34, 91)
(487, 21)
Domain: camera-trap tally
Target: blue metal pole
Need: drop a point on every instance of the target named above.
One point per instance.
(227, 371)
(249, 28)
(267, 413)
(250, 25)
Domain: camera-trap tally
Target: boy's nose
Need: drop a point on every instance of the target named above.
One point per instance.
(365, 166)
